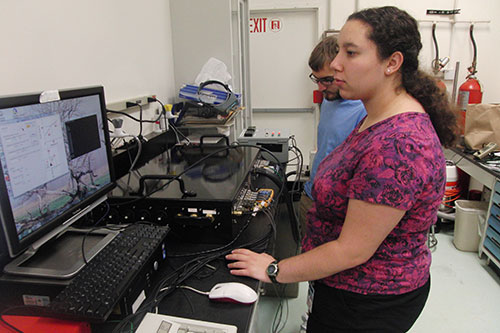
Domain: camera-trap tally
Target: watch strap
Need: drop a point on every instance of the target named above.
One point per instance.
(272, 276)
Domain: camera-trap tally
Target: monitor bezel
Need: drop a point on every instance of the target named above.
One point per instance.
(14, 245)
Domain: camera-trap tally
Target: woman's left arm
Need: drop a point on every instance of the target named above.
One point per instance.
(365, 227)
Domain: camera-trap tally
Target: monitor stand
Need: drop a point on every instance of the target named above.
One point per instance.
(62, 257)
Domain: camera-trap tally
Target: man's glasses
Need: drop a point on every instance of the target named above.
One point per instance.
(326, 81)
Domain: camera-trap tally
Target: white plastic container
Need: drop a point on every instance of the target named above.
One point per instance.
(452, 192)
(466, 236)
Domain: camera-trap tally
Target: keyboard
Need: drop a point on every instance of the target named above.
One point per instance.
(93, 294)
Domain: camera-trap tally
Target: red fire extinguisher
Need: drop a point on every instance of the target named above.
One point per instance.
(471, 91)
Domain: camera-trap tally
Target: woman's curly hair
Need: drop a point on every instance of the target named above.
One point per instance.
(393, 29)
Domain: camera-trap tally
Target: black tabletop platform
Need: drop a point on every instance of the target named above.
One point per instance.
(470, 157)
(186, 303)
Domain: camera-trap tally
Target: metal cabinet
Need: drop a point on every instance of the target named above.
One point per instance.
(491, 237)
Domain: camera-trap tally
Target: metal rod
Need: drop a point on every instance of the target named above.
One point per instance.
(455, 83)
(280, 110)
(453, 22)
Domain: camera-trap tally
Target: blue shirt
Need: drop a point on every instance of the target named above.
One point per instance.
(336, 121)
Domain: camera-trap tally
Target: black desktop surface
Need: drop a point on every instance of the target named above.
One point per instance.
(217, 177)
(470, 157)
(188, 304)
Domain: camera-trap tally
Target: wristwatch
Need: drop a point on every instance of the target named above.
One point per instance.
(272, 271)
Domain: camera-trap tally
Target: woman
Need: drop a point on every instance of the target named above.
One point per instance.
(377, 194)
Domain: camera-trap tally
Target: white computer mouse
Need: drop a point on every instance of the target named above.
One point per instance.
(233, 292)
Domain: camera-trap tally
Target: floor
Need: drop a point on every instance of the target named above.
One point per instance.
(464, 297)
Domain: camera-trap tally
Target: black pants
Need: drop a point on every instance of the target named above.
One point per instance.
(336, 310)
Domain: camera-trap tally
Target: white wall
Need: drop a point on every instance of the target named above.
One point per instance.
(290, 85)
(453, 41)
(124, 45)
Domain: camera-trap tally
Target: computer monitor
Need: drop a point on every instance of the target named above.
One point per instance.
(55, 160)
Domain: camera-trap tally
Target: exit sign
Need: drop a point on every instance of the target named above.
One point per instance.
(265, 24)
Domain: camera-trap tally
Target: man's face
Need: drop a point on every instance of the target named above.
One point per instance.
(330, 91)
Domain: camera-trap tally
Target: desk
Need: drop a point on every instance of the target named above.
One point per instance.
(189, 304)
(186, 303)
(472, 167)
(491, 180)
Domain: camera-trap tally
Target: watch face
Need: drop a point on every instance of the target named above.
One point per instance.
(271, 269)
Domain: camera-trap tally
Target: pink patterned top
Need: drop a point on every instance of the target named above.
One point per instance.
(397, 162)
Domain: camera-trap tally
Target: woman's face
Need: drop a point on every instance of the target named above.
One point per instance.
(357, 68)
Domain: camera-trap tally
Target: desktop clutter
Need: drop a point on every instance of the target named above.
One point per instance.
(108, 237)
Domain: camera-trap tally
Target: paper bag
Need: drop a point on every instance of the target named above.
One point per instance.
(482, 125)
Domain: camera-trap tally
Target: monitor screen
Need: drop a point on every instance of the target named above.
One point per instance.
(55, 160)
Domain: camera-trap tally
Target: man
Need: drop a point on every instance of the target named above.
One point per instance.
(338, 117)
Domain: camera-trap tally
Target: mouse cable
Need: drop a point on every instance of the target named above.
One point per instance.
(190, 267)
(163, 289)
(168, 284)
(193, 289)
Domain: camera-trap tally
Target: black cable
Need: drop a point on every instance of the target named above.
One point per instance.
(163, 112)
(8, 324)
(140, 117)
(472, 69)
(294, 224)
(160, 292)
(195, 164)
(130, 159)
(177, 131)
(169, 284)
(108, 208)
(298, 152)
(32, 311)
(221, 248)
(132, 117)
(435, 65)
(278, 315)
(120, 228)
(192, 266)
(94, 228)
